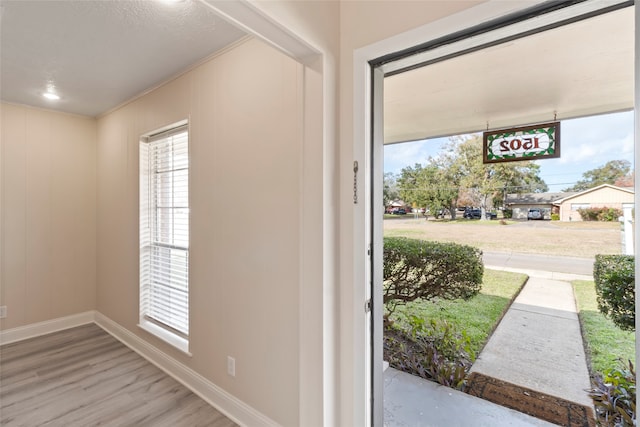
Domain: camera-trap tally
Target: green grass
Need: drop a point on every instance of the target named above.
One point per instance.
(478, 316)
(604, 341)
(405, 216)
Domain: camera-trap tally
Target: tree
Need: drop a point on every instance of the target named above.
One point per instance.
(457, 175)
(411, 186)
(626, 181)
(484, 183)
(609, 173)
(390, 188)
(426, 186)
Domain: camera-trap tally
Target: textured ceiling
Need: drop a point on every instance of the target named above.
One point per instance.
(98, 54)
(580, 69)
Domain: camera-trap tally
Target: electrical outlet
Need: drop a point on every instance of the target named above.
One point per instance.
(3, 311)
(231, 366)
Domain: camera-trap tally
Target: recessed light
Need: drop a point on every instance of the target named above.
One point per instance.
(51, 95)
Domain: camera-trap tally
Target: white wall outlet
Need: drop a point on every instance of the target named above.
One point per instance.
(231, 366)
(3, 311)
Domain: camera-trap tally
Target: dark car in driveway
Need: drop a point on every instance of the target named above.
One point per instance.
(472, 214)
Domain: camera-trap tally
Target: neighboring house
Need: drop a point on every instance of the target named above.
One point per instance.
(567, 204)
(521, 203)
(604, 195)
(397, 204)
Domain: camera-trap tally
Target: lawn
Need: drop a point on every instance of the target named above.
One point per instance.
(605, 343)
(478, 316)
(584, 239)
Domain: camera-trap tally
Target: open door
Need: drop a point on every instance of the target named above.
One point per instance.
(525, 23)
(375, 247)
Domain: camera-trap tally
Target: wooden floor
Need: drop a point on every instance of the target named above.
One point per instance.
(85, 377)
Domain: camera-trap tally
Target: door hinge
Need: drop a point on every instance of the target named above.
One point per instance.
(367, 306)
(369, 250)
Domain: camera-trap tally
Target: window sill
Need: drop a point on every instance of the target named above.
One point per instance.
(166, 336)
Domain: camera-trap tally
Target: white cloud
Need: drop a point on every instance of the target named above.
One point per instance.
(398, 156)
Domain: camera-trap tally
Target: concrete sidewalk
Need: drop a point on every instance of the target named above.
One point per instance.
(538, 343)
(410, 401)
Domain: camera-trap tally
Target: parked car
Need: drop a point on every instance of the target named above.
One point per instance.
(472, 214)
(491, 215)
(399, 211)
(534, 214)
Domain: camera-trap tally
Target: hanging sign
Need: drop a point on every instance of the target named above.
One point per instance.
(522, 143)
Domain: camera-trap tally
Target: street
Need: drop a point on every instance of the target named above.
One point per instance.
(553, 263)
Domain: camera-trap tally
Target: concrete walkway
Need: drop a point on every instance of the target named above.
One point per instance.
(538, 345)
(410, 401)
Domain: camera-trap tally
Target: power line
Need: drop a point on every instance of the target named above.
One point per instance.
(498, 188)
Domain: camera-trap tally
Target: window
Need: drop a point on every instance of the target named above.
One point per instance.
(164, 235)
(576, 206)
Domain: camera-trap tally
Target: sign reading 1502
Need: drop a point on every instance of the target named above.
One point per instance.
(522, 143)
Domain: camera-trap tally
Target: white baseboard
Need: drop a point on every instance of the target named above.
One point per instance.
(232, 407)
(20, 333)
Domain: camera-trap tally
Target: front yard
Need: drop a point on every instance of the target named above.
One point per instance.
(440, 339)
(479, 316)
(578, 239)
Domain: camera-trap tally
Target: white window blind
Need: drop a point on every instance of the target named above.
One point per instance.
(164, 230)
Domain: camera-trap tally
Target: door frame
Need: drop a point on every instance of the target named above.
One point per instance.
(500, 25)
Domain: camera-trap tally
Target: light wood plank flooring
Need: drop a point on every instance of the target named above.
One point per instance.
(85, 377)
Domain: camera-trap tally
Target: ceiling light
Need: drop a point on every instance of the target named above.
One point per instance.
(51, 95)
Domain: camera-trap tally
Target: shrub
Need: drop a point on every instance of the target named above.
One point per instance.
(614, 397)
(432, 350)
(507, 213)
(600, 214)
(421, 269)
(610, 214)
(555, 217)
(614, 276)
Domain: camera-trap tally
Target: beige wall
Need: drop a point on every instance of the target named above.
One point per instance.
(48, 211)
(245, 116)
(603, 197)
(318, 24)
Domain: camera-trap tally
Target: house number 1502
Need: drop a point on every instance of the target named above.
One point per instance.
(516, 144)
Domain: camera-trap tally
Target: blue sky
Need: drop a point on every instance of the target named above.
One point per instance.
(586, 143)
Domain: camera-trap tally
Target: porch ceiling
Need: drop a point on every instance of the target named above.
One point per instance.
(580, 69)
